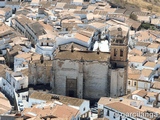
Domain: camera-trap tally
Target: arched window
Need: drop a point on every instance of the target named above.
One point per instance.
(121, 53)
(115, 52)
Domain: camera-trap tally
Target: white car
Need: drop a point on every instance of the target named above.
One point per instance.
(20, 105)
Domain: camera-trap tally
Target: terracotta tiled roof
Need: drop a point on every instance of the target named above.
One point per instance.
(141, 93)
(4, 104)
(63, 99)
(139, 59)
(123, 108)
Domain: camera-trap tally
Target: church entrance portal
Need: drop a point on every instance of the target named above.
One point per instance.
(71, 87)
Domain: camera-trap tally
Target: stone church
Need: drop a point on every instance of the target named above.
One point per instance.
(87, 74)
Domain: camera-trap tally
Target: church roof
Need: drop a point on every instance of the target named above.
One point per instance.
(83, 55)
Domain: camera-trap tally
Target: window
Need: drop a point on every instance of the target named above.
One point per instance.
(23, 97)
(107, 113)
(84, 109)
(129, 82)
(13, 84)
(114, 116)
(135, 83)
(120, 118)
(115, 52)
(154, 51)
(121, 41)
(121, 53)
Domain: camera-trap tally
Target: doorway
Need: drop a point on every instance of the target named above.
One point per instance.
(71, 87)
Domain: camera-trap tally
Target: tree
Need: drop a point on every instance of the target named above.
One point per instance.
(133, 16)
(150, 7)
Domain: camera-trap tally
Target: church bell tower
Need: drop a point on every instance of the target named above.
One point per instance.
(119, 49)
(118, 61)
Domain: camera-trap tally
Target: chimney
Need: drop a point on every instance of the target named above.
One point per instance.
(59, 48)
(120, 99)
(140, 106)
(98, 51)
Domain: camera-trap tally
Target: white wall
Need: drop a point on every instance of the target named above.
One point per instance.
(17, 82)
(137, 65)
(155, 90)
(13, 6)
(151, 68)
(2, 3)
(18, 63)
(33, 101)
(85, 107)
(22, 28)
(61, 41)
(6, 86)
(136, 97)
(45, 50)
(153, 50)
(31, 35)
(82, 16)
(112, 112)
(141, 48)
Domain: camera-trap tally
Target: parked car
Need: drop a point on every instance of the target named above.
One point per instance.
(94, 110)
(20, 105)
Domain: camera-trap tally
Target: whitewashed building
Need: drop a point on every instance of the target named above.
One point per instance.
(21, 61)
(46, 47)
(149, 98)
(136, 84)
(33, 31)
(137, 62)
(121, 111)
(18, 81)
(20, 23)
(142, 46)
(80, 104)
(6, 87)
(2, 3)
(153, 48)
(147, 74)
(13, 5)
(5, 13)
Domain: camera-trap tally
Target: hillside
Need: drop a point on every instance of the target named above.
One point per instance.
(146, 5)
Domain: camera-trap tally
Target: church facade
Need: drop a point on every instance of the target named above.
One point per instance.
(90, 74)
(81, 74)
